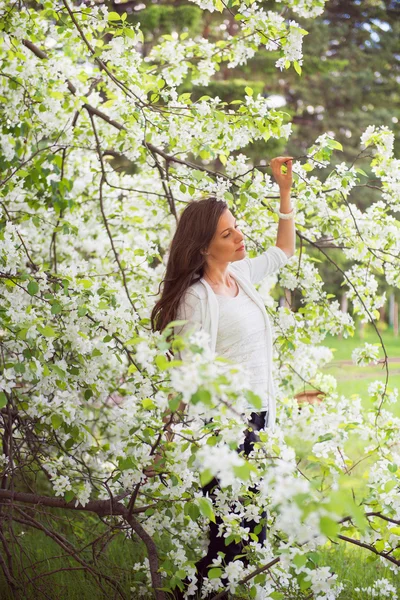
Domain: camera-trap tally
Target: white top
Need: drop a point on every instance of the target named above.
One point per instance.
(241, 337)
(200, 306)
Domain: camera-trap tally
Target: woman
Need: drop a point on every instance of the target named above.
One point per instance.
(210, 282)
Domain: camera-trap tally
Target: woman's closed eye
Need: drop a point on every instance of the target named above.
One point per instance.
(225, 236)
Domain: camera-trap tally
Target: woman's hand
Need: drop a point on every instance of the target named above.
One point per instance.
(284, 180)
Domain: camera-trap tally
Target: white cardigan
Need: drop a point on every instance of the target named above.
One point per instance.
(200, 307)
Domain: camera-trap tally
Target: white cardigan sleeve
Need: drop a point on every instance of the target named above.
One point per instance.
(189, 308)
(262, 265)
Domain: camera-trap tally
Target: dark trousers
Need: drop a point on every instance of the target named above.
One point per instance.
(217, 544)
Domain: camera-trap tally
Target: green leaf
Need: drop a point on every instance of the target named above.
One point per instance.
(69, 495)
(358, 170)
(56, 308)
(184, 97)
(243, 471)
(162, 362)
(126, 463)
(206, 508)
(197, 174)
(174, 403)
(3, 399)
(56, 369)
(212, 441)
(315, 557)
(181, 574)
(205, 477)
(113, 16)
(46, 370)
(214, 573)
(130, 34)
(249, 91)
(56, 421)
(203, 396)
(334, 144)
(254, 399)
(33, 288)
(329, 527)
(303, 583)
(192, 510)
(69, 443)
(300, 560)
(297, 67)
(131, 341)
(148, 403)
(47, 331)
(86, 283)
(231, 538)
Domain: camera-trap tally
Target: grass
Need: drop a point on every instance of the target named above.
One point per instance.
(343, 347)
(356, 568)
(116, 561)
(353, 567)
(355, 380)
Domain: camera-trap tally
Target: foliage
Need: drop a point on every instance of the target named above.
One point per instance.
(84, 382)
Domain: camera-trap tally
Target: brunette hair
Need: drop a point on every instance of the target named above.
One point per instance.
(195, 229)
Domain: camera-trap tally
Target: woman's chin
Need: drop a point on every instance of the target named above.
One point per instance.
(240, 253)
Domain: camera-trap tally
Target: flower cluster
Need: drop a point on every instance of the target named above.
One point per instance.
(365, 355)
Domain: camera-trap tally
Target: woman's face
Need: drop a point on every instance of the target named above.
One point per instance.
(224, 246)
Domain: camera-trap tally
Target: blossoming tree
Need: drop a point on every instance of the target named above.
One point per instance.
(85, 384)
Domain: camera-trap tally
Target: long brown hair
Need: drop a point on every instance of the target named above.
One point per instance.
(195, 229)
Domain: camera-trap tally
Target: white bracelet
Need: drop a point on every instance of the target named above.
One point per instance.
(289, 215)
